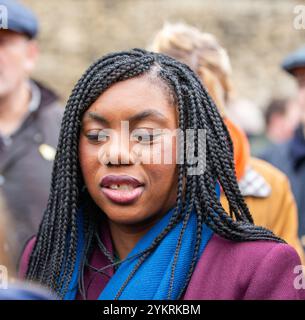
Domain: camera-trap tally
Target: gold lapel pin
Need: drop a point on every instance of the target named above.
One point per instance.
(47, 152)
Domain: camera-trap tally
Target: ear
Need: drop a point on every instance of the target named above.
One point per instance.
(32, 53)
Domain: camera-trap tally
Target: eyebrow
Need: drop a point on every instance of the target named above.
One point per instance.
(149, 113)
(96, 117)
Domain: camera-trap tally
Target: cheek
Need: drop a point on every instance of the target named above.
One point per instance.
(28, 66)
(16, 68)
(88, 161)
(15, 59)
(163, 179)
(163, 152)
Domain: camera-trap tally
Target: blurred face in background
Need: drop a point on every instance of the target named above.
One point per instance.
(301, 102)
(299, 74)
(18, 55)
(293, 115)
(282, 125)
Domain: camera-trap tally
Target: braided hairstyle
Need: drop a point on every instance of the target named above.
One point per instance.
(56, 245)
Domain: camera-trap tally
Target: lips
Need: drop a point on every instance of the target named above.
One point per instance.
(121, 189)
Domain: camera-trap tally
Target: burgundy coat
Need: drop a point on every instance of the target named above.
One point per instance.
(226, 270)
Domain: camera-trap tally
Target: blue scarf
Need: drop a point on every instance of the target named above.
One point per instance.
(152, 280)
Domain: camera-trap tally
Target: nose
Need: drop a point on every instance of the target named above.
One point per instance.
(116, 151)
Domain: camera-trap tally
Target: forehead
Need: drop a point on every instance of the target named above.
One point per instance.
(127, 98)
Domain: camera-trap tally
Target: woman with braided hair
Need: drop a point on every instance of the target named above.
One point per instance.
(120, 224)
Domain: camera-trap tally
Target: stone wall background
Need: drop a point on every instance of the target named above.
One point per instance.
(257, 35)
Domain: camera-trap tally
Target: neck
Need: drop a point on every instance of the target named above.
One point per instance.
(126, 237)
(13, 108)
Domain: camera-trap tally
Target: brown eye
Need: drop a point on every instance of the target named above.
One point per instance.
(92, 137)
(144, 137)
(97, 136)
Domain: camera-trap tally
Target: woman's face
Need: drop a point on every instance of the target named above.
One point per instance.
(121, 166)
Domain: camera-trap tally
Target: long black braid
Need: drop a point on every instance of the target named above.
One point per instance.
(55, 248)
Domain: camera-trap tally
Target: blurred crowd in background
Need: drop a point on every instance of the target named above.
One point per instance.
(248, 54)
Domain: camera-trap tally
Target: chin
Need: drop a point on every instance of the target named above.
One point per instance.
(126, 216)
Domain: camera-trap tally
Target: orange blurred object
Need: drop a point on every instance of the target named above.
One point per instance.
(241, 148)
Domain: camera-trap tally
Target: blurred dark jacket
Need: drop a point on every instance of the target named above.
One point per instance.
(26, 159)
(290, 158)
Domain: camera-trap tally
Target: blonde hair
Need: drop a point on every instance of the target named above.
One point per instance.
(202, 53)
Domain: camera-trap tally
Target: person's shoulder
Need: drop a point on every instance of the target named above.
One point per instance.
(53, 111)
(257, 250)
(275, 152)
(265, 167)
(272, 174)
(50, 105)
(25, 257)
(245, 270)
